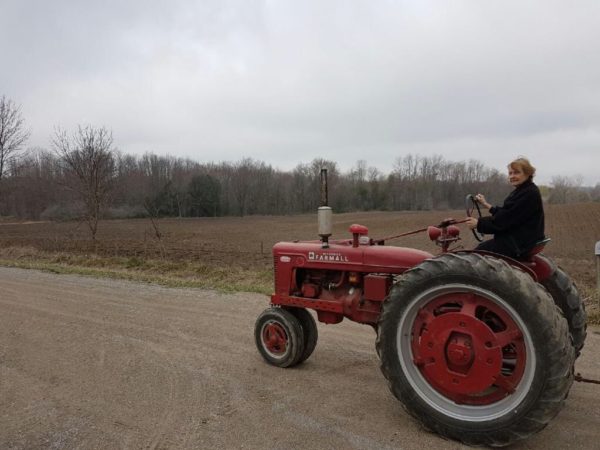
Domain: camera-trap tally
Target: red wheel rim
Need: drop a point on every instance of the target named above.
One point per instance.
(274, 338)
(468, 348)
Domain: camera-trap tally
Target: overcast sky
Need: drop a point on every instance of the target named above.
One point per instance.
(288, 81)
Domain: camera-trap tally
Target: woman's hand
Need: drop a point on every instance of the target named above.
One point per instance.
(471, 222)
(480, 198)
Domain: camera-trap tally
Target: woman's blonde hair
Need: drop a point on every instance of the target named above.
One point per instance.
(523, 163)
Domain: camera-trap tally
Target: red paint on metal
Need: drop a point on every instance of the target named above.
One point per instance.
(365, 259)
(358, 229)
(434, 233)
(468, 348)
(459, 352)
(275, 338)
(453, 231)
(318, 305)
(298, 265)
(329, 318)
(310, 290)
(542, 267)
(376, 287)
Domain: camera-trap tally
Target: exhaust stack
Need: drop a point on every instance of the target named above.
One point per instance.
(324, 213)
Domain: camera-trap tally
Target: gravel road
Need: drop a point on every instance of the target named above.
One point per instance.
(97, 363)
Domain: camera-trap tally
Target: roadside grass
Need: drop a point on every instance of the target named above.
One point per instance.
(163, 272)
(182, 273)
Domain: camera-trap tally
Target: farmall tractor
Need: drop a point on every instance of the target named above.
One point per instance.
(478, 347)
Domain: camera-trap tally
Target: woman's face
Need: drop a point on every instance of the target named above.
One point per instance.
(516, 176)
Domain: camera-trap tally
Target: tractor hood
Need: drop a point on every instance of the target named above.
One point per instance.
(342, 256)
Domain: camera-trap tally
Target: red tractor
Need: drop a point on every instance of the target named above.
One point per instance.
(478, 347)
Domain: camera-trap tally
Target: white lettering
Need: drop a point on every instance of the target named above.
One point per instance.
(327, 257)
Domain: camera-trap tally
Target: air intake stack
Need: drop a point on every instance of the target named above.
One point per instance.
(325, 213)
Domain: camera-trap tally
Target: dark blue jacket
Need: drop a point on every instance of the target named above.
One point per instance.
(519, 222)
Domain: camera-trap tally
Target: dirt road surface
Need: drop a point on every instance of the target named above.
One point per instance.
(95, 363)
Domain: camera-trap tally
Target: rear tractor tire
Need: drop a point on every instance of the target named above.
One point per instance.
(475, 349)
(279, 337)
(567, 298)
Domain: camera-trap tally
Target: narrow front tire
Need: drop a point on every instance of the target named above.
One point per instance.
(279, 337)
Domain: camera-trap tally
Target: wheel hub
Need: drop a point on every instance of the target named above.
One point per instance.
(459, 353)
(454, 355)
(275, 338)
(467, 348)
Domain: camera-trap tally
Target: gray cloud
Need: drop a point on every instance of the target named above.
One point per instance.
(286, 81)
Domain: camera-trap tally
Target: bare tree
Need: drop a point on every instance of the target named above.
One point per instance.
(88, 163)
(241, 183)
(153, 215)
(567, 190)
(12, 132)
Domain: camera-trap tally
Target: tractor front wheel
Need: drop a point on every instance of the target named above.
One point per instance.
(309, 331)
(279, 337)
(475, 349)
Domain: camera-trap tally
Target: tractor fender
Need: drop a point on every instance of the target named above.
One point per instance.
(561, 288)
(539, 268)
(543, 267)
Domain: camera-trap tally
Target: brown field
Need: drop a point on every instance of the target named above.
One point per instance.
(245, 243)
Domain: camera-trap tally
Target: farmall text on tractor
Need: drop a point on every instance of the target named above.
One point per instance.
(478, 347)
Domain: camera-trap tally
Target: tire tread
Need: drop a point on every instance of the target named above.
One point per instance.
(550, 324)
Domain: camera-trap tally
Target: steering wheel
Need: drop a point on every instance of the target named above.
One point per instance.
(472, 206)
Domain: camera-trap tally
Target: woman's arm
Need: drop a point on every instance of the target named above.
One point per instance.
(517, 209)
(482, 201)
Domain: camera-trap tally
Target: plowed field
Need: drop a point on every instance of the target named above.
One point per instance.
(246, 242)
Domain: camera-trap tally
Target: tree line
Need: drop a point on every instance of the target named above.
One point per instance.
(83, 176)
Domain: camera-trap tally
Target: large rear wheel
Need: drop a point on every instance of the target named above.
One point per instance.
(566, 296)
(475, 349)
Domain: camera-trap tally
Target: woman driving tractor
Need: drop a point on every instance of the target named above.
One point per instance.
(518, 224)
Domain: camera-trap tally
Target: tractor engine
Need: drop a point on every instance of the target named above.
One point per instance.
(344, 278)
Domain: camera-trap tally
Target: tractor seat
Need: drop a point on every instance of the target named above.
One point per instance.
(535, 249)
